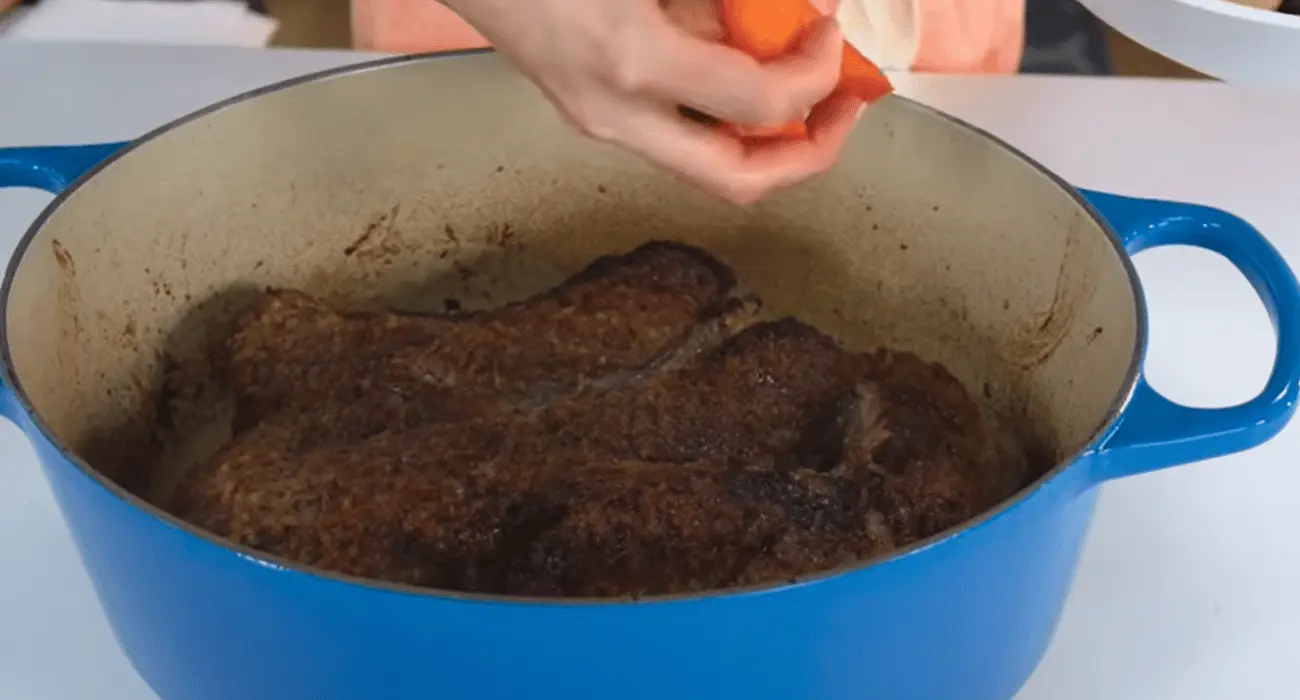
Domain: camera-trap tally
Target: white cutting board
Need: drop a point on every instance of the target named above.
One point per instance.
(1236, 42)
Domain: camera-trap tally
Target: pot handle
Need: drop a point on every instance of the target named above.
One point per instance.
(1155, 432)
(51, 168)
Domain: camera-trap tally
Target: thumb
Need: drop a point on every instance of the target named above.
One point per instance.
(826, 7)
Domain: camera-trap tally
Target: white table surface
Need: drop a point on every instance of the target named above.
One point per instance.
(1190, 585)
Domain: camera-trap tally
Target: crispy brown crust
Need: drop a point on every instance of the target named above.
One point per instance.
(630, 432)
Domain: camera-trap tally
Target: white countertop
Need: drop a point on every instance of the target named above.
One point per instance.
(1190, 585)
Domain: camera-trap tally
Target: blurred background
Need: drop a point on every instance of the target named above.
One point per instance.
(325, 23)
(1062, 36)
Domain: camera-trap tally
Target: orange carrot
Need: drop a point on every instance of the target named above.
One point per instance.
(861, 78)
(769, 29)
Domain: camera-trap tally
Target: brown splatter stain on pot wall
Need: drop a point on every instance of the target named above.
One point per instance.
(63, 258)
(1042, 333)
(364, 238)
(67, 291)
(377, 236)
(161, 288)
(500, 236)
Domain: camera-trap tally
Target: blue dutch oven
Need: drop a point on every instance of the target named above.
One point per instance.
(930, 235)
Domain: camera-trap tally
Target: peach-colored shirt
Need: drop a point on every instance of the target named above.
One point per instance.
(941, 36)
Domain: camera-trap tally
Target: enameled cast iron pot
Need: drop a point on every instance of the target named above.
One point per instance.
(409, 181)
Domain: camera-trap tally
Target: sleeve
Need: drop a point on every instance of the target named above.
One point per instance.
(937, 36)
(409, 26)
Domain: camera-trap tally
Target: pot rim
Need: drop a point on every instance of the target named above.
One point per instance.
(280, 564)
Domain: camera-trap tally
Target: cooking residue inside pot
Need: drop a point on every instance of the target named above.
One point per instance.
(637, 430)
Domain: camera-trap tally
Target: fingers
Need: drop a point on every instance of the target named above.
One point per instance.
(669, 83)
(727, 84)
(742, 172)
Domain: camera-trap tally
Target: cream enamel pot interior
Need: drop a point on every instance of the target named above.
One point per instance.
(413, 180)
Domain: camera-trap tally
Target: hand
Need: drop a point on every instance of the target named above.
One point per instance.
(621, 70)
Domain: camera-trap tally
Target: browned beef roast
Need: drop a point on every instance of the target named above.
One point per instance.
(633, 431)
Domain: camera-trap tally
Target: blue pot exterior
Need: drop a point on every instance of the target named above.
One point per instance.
(964, 617)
